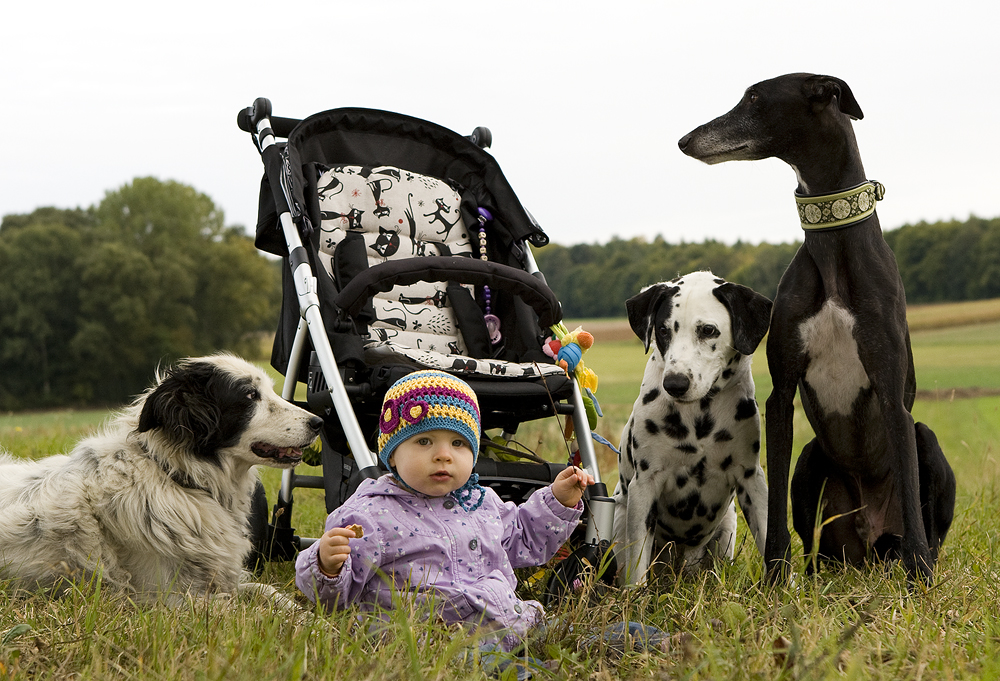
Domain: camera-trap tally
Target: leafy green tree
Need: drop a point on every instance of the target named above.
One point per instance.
(134, 313)
(238, 292)
(93, 301)
(947, 260)
(985, 280)
(167, 280)
(764, 266)
(39, 304)
(593, 280)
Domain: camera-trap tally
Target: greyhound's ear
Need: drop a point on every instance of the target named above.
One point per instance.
(642, 308)
(822, 90)
(749, 312)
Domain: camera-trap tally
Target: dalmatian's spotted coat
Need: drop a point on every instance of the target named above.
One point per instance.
(692, 443)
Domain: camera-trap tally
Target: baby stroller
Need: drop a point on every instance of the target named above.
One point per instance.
(406, 248)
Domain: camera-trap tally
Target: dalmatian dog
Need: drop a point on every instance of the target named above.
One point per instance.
(692, 443)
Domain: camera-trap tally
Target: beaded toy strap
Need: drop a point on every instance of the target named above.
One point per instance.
(492, 321)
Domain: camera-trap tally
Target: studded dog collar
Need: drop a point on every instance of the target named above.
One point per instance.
(843, 209)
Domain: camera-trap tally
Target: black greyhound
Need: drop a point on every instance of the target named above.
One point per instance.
(839, 335)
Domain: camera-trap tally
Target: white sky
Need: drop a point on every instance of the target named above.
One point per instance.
(586, 100)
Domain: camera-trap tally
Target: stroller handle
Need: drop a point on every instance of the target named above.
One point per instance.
(481, 137)
(248, 118)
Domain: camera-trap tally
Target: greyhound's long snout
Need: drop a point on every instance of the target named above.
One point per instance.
(676, 384)
(712, 143)
(684, 142)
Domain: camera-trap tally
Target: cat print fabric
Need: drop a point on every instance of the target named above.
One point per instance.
(402, 215)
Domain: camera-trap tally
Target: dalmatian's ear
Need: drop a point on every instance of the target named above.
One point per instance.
(642, 309)
(749, 314)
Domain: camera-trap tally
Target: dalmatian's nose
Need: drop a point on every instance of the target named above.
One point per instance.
(676, 384)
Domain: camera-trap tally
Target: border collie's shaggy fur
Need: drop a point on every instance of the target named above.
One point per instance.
(158, 502)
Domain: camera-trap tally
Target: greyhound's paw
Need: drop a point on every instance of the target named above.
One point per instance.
(776, 572)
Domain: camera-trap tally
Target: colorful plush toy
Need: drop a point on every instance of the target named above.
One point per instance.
(567, 348)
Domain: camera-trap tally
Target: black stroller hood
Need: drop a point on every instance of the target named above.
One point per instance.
(369, 137)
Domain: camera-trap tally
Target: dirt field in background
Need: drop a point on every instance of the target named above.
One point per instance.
(604, 329)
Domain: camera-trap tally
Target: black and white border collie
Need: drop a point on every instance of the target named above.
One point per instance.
(158, 502)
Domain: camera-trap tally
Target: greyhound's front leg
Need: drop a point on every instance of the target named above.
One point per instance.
(778, 420)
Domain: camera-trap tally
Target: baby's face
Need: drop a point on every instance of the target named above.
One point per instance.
(434, 463)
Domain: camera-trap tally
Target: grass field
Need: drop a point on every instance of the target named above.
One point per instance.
(843, 625)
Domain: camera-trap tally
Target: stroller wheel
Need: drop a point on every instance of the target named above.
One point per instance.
(257, 526)
(567, 576)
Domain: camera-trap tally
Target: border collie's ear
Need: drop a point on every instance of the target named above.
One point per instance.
(642, 308)
(822, 90)
(749, 314)
(182, 407)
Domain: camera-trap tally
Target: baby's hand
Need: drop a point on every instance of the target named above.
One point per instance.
(334, 549)
(570, 484)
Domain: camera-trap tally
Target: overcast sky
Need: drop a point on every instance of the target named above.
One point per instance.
(586, 100)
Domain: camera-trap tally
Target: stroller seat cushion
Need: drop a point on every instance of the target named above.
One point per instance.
(392, 214)
(383, 214)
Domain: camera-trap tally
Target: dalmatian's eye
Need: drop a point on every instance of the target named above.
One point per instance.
(253, 394)
(708, 331)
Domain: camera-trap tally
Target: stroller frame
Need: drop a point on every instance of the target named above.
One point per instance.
(279, 541)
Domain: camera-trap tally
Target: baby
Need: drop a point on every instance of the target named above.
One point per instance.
(429, 528)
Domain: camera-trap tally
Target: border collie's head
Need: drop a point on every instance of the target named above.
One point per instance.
(218, 405)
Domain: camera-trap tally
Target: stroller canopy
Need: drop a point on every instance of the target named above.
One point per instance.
(369, 137)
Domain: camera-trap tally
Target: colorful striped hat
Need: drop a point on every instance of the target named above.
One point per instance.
(430, 400)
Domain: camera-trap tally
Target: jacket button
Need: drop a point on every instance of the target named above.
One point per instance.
(517, 608)
(474, 544)
(449, 504)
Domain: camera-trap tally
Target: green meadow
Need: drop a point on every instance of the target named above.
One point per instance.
(725, 624)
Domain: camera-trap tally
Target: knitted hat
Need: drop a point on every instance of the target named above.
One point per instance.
(431, 400)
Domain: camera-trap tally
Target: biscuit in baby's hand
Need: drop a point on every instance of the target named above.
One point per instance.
(358, 531)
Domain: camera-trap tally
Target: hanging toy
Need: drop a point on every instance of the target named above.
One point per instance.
(491, 320)
(567, 348)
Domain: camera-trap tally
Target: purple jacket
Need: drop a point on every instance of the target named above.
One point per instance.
(431, 546)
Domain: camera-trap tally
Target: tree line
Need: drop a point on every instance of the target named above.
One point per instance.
(93, 300)
(942, 261)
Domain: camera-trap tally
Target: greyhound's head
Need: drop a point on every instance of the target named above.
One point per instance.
(774, 118)
(702, 326)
